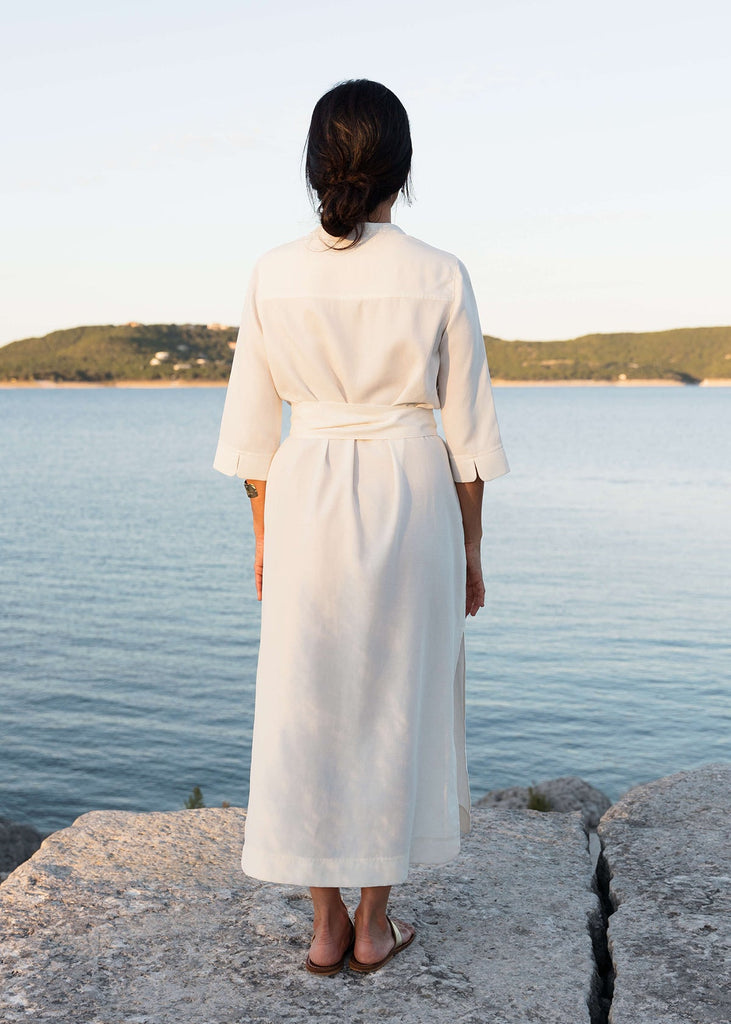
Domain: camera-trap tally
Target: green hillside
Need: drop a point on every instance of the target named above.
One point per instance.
(108, 353)
(111, 353)
(688, 354)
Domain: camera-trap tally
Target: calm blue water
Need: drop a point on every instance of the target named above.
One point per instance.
(129, 625)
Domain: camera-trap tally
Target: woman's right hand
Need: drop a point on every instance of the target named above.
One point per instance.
(469, 493)
(475, 598)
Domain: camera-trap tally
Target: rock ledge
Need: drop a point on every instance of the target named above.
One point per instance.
(149, 919)
(665, 862)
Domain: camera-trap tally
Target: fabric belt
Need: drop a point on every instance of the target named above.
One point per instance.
(365, 421)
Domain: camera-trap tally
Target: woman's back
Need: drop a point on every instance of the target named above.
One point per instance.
(356, 325)
(390, 321)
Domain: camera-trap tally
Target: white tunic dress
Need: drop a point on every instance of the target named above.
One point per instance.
(358, 765)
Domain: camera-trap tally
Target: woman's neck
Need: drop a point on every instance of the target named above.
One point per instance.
(382, 213)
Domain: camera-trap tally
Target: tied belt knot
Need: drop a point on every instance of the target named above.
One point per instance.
(361, 421)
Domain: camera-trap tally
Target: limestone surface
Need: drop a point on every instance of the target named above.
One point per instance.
(149, 919)
(665, 850)
(569, 793)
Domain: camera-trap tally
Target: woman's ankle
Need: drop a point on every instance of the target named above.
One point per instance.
(370, 918)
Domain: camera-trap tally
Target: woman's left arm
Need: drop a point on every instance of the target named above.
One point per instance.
(257, 513)
(251, 422)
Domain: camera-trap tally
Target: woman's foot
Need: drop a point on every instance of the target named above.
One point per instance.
(332, 940)
(374, 939)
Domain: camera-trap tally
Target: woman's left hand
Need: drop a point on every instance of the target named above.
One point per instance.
(258, 498)
(259, 564)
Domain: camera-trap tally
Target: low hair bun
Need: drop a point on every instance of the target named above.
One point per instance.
(358, 154)
(344, 204)
(357, 180)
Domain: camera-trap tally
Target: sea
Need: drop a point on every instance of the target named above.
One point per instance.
(129, 629)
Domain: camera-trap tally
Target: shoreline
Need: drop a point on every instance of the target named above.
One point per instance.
(51, 385)
(712, 382)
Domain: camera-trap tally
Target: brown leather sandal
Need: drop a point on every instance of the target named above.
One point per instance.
(399, 944)
(329, 969)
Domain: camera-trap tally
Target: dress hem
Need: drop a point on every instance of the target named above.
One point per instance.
(285, 869)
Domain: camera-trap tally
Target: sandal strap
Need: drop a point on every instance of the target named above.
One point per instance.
(396, 933)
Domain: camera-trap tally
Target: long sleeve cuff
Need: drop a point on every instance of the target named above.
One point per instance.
(488, 465)
(247, 465)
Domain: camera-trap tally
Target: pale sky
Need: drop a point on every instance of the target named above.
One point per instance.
(574, 155)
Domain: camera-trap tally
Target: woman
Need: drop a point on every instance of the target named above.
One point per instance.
(371, 526)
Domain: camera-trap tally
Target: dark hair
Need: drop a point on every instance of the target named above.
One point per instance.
(358, 154)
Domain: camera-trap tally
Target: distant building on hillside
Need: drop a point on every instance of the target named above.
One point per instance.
(161, 355)
(216, 327)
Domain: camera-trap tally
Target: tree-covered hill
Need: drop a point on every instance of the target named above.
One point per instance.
(130, 352)
(688, 354)
(161, 352)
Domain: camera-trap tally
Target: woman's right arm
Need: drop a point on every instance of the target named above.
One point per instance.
(470, 500)
(470, 425)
